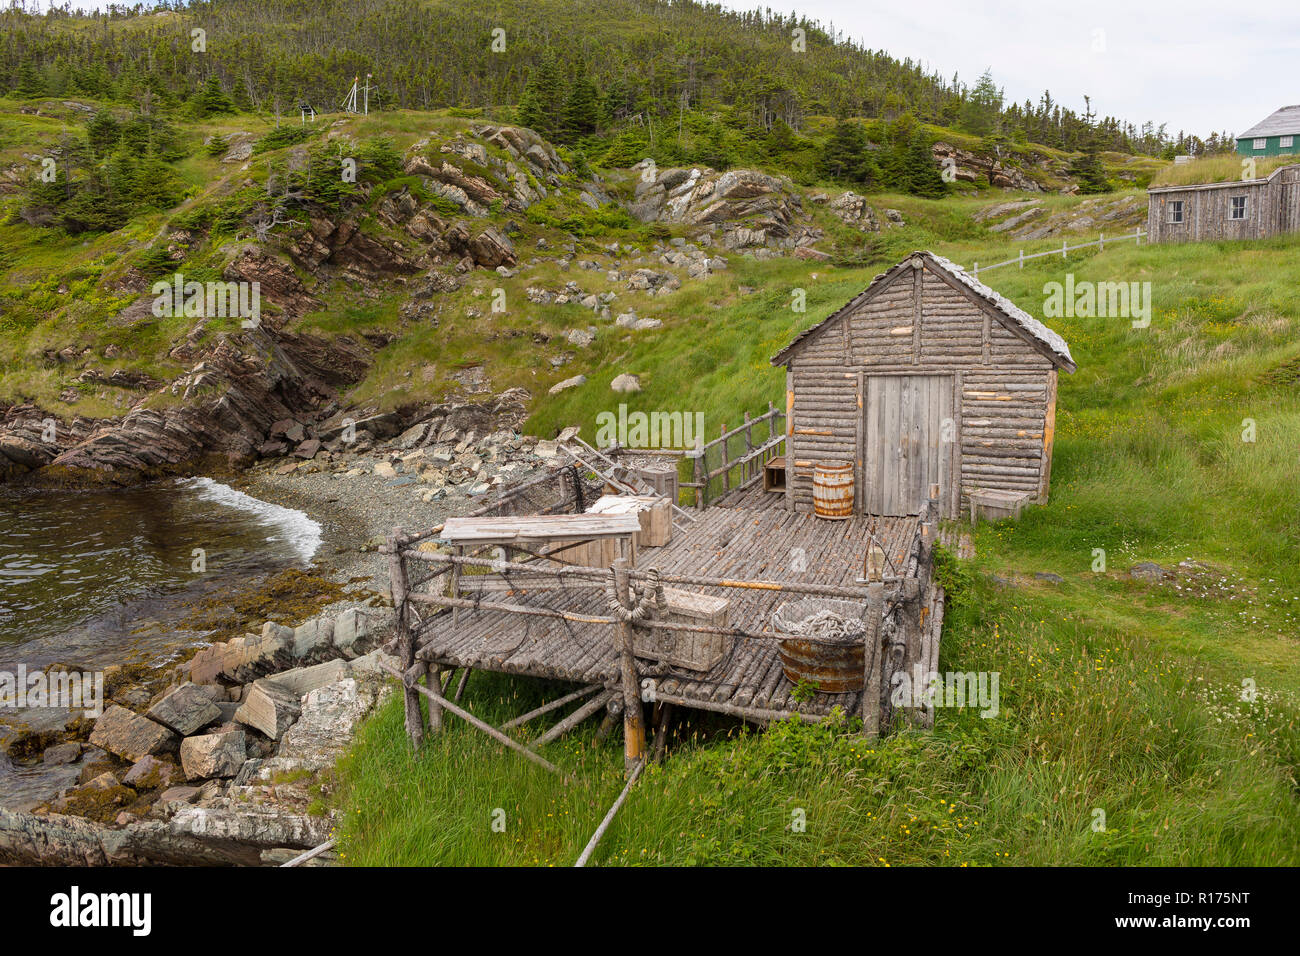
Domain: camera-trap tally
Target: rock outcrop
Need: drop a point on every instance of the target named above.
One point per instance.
(250, 775)
(240, 386)
(749, 208)
(967, 167)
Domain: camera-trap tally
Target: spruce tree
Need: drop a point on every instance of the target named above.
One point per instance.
(844, 156)
(212, 100)
(1090, 172)
(29, 80)
(581, 109)
(920, 172)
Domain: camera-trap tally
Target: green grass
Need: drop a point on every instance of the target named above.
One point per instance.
(1093, 717)
(1117, 696)
(1218, 169)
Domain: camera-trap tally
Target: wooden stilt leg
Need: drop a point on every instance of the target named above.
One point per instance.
(405, 637)
(633, 719)
(663, 716)
(433, 680)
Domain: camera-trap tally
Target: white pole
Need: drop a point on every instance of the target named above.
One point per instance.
(1101, 243)
(1022, 258)
(1064, 248)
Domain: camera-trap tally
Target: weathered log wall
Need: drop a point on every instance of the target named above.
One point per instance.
(1003, 390)
(1272, 208)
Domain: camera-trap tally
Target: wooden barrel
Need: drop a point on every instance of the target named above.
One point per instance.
(832, 668)
(833, 490)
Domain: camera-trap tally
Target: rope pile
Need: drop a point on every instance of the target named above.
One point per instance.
(829, 626)
(651, 595)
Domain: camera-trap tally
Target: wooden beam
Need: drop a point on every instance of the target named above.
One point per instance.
(575, 718)
(476, 723)
(609, 817)
(553, 705)
(414, 720)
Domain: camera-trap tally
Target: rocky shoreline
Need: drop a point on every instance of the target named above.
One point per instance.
(227, 757)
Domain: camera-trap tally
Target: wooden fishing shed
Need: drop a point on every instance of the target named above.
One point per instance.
(928, 377)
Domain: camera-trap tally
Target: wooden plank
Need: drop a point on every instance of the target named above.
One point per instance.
(1049, 433)
(918, 276)
(524, 528)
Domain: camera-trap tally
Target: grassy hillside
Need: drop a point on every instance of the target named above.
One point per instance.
(1118, 695)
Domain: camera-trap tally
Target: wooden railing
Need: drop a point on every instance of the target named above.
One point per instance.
(749, 460)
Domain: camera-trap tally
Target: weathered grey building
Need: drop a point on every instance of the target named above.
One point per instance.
(927, 377)
(1251, 209)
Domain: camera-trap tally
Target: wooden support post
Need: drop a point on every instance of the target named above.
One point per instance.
(699, 472)
(772, 426)
(433, 679)
(747, 471)
(454, 585)
(480, 725)
(633, 719)
(874, 658)
(590, 848)
(553, 705)
(663, 716)
(405, 637)
(575, 718)
(726, 460)
(460, 688)
(613, 707)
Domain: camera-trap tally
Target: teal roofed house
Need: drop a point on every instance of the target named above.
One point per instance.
(1276, 136)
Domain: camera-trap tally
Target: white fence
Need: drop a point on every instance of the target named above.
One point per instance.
(1065, 248)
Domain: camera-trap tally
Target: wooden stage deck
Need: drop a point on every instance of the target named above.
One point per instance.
(763, 543)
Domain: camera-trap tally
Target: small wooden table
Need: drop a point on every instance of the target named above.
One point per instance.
(539, 529)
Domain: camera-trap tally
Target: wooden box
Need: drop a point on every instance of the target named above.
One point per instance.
(996, 505)
(774, 475)
(687, 649)
(655, 515)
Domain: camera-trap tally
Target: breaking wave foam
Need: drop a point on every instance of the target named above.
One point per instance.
(292, 528)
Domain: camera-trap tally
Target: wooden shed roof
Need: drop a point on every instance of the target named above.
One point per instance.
(1036, 333)
(1278, 123)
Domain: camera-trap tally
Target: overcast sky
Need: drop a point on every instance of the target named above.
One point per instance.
(1198, 65)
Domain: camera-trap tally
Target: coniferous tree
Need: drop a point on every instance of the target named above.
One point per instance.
(1090, 172)
(542, 108)
(212, 100)
(29, 80)
(581, 112)
(844, 157)
(921, 174)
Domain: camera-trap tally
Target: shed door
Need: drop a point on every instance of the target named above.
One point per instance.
(909, 447)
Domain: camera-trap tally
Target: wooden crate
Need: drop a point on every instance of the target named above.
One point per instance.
(774, 475)
(995, 505)
(687, 649)
(655, 515)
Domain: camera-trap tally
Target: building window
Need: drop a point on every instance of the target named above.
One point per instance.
(1260, 143)
(1176, 210)
(1286, 141)
(1238, 207)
